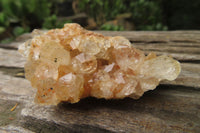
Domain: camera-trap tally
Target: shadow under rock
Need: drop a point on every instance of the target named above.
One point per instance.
(150, 101)
(160, 106)
(126, 104)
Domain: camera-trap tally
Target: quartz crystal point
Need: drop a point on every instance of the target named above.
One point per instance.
(72, 63)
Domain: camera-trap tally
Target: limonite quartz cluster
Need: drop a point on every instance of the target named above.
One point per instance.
(72, 63)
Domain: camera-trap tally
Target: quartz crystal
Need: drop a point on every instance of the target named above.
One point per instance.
(72, 63)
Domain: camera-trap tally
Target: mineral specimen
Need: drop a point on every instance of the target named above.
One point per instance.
(72, 63)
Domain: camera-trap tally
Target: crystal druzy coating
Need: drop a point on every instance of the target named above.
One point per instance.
(72, 63)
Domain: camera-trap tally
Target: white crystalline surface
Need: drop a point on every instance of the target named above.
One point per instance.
(72, 63)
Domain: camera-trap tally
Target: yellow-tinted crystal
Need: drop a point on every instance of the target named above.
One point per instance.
(72, 63)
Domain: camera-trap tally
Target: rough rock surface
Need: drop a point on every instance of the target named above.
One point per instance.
(72, 63)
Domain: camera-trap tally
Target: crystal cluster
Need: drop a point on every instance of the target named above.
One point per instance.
(72, 63)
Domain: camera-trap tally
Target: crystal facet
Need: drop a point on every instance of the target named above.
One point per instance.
(72, 63)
